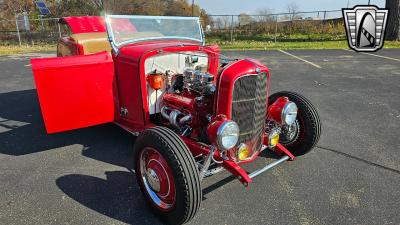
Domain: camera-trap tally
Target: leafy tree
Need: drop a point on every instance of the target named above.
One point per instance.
(151, 7)
(60, 8)
(10, 8)
(205, 18)
(75, 7)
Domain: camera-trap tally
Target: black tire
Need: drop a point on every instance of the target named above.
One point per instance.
(308, 121)
(185, 173)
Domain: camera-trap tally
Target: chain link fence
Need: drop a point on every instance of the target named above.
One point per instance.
(24, 31)
(299, 26)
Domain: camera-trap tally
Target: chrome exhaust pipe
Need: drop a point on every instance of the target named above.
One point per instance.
(172, 115)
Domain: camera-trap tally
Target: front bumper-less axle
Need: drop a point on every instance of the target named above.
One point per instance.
(246, 177)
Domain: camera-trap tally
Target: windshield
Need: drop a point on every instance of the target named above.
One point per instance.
(128, 29)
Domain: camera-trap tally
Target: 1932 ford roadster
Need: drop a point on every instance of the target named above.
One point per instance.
(194, 113)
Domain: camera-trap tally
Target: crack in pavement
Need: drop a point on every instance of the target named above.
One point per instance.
(360, 159)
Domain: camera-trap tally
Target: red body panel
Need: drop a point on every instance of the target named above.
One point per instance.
(212, 128)
(227, 79)
(84, 24)
(276, 108)
(76, 91)
(130, 93)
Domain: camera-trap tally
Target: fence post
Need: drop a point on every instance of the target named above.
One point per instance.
(41, 22)
(232, 28)
(16, 24)
(276, 26)
(59, 29)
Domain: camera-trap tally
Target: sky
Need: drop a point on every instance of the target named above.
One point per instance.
(277, 6)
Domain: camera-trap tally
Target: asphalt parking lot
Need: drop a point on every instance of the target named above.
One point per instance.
(352, 177)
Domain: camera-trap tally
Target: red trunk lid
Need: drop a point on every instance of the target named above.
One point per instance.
(84, 24)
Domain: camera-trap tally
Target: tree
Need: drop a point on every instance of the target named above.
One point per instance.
(264, 15)
(266, 21)
(205, 18)
(75, 8)
(293, 10)
(11, 7)
(98, 3)
(393, 23)
(244, 19)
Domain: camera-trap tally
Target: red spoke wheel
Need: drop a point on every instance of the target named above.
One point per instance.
(304, 133)
(167, 175)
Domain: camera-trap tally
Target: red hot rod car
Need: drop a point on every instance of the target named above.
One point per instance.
(195, 113)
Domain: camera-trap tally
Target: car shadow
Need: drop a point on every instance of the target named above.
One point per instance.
(269, 154)
(118, 196)
(22, 132)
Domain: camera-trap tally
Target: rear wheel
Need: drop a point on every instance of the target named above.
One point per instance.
(304, 133)
(167, 175)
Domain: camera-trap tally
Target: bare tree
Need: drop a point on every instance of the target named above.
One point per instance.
(265, 20)
(244, 19)
(393, 23)
(264, 15)
(217, 23)
(226, 22)
(293, 10)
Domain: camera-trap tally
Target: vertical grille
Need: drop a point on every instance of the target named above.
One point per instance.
(249, 105)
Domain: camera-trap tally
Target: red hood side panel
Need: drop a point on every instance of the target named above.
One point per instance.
(84, 24)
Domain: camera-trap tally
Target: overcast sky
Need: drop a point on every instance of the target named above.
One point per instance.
(277, 6)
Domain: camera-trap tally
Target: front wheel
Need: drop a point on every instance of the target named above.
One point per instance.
(167, 175)
(304, 133)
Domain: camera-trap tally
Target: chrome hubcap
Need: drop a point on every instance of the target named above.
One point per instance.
(290, 133)
(153, 180)
(157, 178)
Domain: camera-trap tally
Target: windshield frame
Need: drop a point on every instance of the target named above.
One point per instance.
(111, 36)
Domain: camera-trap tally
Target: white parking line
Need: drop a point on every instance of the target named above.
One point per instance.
(311, 63)
(28, 65)
(380, 56)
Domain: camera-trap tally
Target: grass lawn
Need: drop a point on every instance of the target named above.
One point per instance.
(225, 45)
(15, 49)
(263, 45)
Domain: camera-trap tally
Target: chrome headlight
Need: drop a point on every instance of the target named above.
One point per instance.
(289, 113)
(227, 135)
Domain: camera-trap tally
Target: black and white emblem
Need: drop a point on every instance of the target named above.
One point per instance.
(365, 27)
